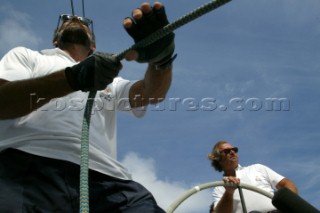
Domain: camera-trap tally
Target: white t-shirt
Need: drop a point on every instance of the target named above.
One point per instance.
(256, 175)
(54, 130)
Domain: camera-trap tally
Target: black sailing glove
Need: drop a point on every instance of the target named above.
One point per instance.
(159, 52)
(94, 73)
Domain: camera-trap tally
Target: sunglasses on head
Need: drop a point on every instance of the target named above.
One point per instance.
(67, 17)
(227, 151)
(83, 20)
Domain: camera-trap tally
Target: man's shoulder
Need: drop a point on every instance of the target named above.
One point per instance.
(256, 166)
(53, 51)
(120, 81)
(20, 51)
(19, 56)
(118, 78)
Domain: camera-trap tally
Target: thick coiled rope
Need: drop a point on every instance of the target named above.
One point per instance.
(84, 161)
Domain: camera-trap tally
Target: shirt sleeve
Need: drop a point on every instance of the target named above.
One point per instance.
(15, 65)
(122, 87)
(273, 177)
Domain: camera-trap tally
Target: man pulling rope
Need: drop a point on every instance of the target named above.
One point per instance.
(40, 146)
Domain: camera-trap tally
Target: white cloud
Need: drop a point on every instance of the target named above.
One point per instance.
(165, 192)
(15, 29)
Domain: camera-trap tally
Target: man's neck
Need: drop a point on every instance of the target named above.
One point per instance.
(77, 52)
(230, 172)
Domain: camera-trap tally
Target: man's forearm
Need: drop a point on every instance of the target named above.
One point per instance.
(19, 98)
(285, 182)
(225, 205)
(152, 89)
(157, 83)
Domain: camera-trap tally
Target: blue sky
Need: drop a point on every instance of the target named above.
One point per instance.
(231, 64)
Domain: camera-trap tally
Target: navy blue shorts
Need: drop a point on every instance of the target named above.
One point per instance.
(34, 184)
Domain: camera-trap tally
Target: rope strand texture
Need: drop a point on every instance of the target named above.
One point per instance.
(84, 160)
(84, 168)
(200, 11)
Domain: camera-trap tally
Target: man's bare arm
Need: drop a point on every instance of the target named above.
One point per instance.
(19, 98)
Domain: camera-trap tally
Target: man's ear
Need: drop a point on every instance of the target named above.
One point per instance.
(55, 43)
(93, 47)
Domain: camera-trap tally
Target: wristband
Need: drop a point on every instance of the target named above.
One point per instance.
(164, 64)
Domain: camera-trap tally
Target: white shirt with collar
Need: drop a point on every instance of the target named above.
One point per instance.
(54, 130)
(256, 175)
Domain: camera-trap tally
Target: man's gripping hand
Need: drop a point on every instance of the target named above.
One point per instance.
(94, 73)
(145, 21)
